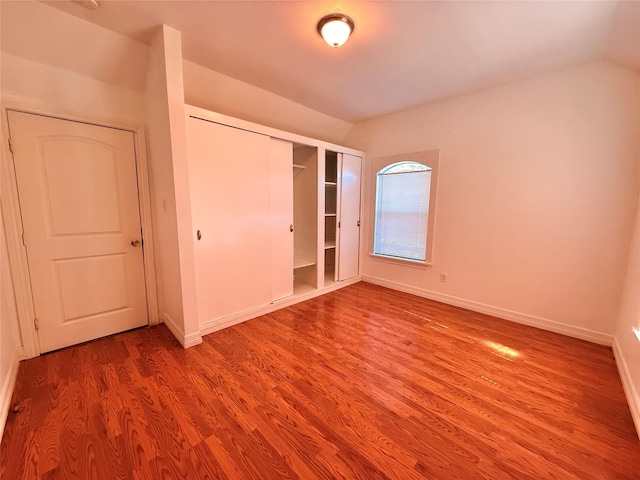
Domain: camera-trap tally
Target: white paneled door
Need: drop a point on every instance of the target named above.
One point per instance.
(78, 194)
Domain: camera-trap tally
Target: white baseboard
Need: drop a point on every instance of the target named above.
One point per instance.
(185, 340)
(523, 318)
(221, 323)
(8, 386)
(192, 339)
(627, 383)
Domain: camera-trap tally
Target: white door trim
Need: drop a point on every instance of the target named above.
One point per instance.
(13, 218)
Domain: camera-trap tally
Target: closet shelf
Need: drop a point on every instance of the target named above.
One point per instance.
(329, 244)
(331, 184)
(300, 262)
(301, 167)
(329, 277)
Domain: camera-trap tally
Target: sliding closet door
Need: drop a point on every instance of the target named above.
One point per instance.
(229, 171)
(349, 217)
(281, 179)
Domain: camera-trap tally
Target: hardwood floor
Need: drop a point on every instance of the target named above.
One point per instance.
(362, 383)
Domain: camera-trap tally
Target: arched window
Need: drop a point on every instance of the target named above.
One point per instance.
(403, 190)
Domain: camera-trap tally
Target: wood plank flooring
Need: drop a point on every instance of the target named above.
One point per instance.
(361, 383)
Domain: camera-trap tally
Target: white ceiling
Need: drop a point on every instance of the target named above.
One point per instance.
(401, 54)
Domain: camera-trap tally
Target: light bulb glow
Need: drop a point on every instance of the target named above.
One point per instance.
(335, 33)
(335, 29)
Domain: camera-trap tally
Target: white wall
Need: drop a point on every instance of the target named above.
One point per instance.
(45, 35)
(536, 196)
(163, 195)
(214, 91)
(10, 341)
(38, 85)
(34, 84)
(170, 188)
(627, 345)
(53, 59)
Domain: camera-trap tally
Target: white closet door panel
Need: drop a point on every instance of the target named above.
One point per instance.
(349, 231)
(281, 178)
(230, 195)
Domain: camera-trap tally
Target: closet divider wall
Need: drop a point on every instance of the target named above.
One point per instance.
(257, 210)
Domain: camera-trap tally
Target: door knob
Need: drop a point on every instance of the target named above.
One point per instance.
(135, 243)
(291, 227)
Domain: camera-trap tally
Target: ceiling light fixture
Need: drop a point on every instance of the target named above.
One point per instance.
(335, 29)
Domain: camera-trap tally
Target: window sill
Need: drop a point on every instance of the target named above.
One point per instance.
(401, 261)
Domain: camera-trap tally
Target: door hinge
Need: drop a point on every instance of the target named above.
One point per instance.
(24, 242)
(35, 324)
(11, 145)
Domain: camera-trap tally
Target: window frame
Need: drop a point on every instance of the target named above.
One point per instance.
(430, 159)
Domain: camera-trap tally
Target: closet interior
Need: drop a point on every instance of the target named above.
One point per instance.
(276, 217)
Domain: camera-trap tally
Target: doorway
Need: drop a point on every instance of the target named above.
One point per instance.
(78, 193)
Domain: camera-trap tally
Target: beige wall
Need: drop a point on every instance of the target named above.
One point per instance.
(10, 342)
(58, 60)
(170, 187)
(214, 91)
(626, 343)
(9, 328)
(536, 196)
(164, 210)
(43, 86)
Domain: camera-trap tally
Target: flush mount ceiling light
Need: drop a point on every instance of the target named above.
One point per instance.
(335, 29)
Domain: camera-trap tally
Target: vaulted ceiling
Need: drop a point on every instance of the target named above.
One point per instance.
(401, 54)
